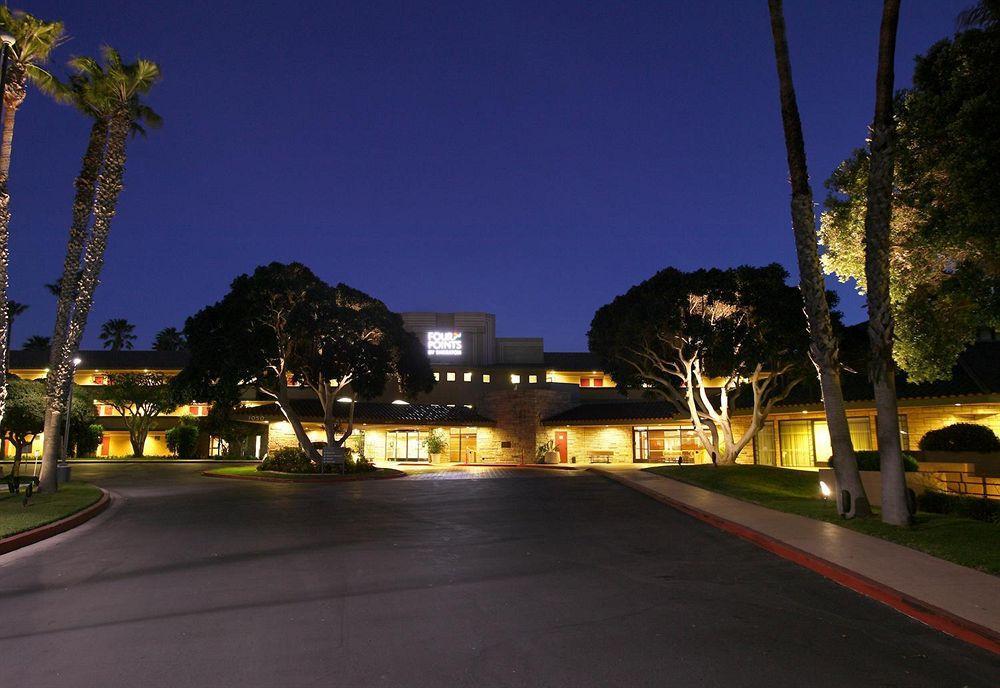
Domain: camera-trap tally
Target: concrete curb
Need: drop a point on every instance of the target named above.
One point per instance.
(332, 480)
(935, 617)
(30, 537)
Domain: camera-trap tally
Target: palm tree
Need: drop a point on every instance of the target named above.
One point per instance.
(14, 309)
(851, 500)
(117, 334)
(985, 14)
(113, 94)
(882, 368)
(36, 342)
(33, 41)
(169, 339)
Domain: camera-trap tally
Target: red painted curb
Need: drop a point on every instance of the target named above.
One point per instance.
(316, 481)
(935, 617)
(30, 537)
(553, 466)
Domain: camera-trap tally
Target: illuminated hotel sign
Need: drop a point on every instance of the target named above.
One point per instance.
(444, 343)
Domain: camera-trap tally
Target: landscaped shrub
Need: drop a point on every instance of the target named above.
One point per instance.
(89, 440)
(961, 437)
(183, 440)
(869, 461)
(356, 462)
(978, 508)
(287, 460)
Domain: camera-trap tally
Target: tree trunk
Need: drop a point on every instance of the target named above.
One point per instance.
(137, 438)
(15, 469)
(4, 278)
(83, 204)
(877, 249)
(110, 185)
(7, 140)
(823, 349)
(293, 419)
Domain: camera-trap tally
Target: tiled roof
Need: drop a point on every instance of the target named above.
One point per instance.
(572, 360)
(96, 359)
(375, 412)
(613, 412)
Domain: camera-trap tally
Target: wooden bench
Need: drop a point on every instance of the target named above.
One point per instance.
(600, 456)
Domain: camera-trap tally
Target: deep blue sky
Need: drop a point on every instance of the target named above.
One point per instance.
(532, 159)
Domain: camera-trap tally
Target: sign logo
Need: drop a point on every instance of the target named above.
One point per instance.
(444, 343)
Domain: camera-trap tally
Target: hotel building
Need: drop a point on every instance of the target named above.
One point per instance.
(498, 398)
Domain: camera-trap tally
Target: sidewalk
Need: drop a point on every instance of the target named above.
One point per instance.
(952, 598)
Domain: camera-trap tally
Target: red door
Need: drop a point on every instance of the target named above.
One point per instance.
(561, 445)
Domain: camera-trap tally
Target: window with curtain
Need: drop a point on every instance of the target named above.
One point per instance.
(763, 446)
(796, 443)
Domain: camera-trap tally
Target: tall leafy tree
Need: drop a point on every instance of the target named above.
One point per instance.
(296, 329)
(138, 398)
(25, 416)
(706, 340)
(112, 94)
(882, 369)
(116, 334)
(34, 40)
(945, 231)
(169, 339)
(823, 349)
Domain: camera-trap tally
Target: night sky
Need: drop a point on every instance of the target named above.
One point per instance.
(528, 159)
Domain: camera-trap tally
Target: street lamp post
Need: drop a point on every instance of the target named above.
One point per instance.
(62, 468)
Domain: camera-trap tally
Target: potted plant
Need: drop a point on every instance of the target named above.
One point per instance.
(436, 444)
(547, 453)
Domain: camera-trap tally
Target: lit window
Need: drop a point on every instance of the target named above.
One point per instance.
(466, 377)
(451, 377)
(486, 378)
(532, 379)
(550, 376)
(515, 378)
(437, 377)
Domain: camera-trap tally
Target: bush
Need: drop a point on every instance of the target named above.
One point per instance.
(182, 440)
(868, 461)
(961, 437)
(981, 509)
(287, 460)
(89, 440)
(356, 462)
(436, 441)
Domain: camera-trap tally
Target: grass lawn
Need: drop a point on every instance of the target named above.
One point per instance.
(962, 540)
(251, 471)
(43, 508)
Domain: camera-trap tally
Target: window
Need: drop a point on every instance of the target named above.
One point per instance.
(466, 377)
(592, 381)
(806, 442)
(405, 445)
(796, 438)
(763, 446)
(451, 377)
(437, 377)
(486, 378)
(904, 434)
(462, 445)
(515, 378)
(550, 376)
(532, 379)
(665, 444)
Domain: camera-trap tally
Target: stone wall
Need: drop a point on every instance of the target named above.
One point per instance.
(518, 415)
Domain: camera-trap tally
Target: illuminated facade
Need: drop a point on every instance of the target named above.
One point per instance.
(498, 399)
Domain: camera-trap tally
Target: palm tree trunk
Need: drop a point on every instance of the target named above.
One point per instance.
(109, 187)
(7, 141)
(83, 204)
(877, 248)
(823, 349)
(4, 278)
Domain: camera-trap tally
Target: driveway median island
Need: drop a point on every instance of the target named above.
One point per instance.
(251, 473)
(46, 514)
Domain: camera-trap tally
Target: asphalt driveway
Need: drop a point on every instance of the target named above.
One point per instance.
(518, 578)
